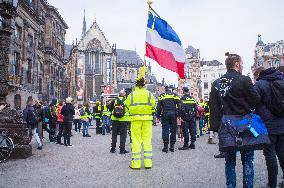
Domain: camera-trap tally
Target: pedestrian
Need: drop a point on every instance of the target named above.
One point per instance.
(233, 94)
(274, 121)
(97, 110)
(31, 118)
(68, 112)
(106, 118)
(52, 119)
(199, 119)
(141, 106)
(168, 110)
(60, 119)
(179, 130)
(119, 121)
(85, 117)
(188, 114)
(40, 114)
(76, 120)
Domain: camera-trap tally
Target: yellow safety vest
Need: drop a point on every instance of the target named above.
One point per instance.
(86, 115)
(140, 104)
(106, 111)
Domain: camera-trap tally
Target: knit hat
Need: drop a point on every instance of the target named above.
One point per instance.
(69, 100)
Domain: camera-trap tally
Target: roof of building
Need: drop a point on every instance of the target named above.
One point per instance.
(128, 57)
(67, 50)
(191, 50)
(210, 63)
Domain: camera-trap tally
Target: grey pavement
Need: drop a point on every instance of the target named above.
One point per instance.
(90, 164)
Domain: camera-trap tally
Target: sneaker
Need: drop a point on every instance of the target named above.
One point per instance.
(219, 156)
(69, 145)
(39, 147)
(165, 150)
(112, 150)
(123, 152)
(88, 135)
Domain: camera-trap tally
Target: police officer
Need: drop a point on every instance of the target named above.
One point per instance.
(168, 109)
(140, 105)
(188, 113)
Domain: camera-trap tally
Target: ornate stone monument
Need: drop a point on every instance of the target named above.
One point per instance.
(11, 122)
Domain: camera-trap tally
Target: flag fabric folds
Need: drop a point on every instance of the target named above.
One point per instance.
(164, 46)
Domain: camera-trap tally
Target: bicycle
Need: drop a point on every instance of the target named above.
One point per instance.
(6, 147)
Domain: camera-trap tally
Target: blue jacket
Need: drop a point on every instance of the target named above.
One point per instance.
(275, 125)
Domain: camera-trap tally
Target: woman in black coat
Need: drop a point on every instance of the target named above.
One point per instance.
(68, 112)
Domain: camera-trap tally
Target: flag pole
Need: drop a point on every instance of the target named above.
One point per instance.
(143, 69)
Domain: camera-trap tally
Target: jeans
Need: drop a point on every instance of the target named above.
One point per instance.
(60, 132)
(106, 124)
(35, 135)
(248, 170)
(270, 153)
(86, 125)
(77, 123)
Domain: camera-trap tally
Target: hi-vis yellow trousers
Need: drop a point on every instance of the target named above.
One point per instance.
(141, 133)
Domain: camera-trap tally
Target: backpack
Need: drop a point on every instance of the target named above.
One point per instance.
(277, 98)
(119, 108)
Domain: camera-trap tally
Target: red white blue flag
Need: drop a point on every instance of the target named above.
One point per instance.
(164, 46)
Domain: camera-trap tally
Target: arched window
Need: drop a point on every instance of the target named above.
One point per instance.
(17, 101)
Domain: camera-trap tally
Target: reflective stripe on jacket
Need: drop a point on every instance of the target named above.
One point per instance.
(106, 111)
(140, 104)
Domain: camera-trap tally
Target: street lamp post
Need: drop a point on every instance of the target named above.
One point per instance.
(11, 122)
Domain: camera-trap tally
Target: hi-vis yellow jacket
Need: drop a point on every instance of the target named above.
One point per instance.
(140, 104)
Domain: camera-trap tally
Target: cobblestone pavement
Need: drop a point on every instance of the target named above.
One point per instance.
(90, 164)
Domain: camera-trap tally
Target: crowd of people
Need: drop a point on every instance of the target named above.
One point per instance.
(134, 113)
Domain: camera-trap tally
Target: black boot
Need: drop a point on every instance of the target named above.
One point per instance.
(219, 156)
(192, 146)
(123, 151)
(165, 149)
(172, 148)
(184, 147)
(112, 150)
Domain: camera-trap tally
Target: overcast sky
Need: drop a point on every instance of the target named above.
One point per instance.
(213, 26)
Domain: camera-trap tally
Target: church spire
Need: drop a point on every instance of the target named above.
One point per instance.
(84, 24)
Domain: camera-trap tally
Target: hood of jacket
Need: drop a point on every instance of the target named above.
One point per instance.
(270, 74)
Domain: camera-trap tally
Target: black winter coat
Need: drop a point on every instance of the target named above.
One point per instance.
(238, 95)
(275, 125)
(168, 103)
(68, 112)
